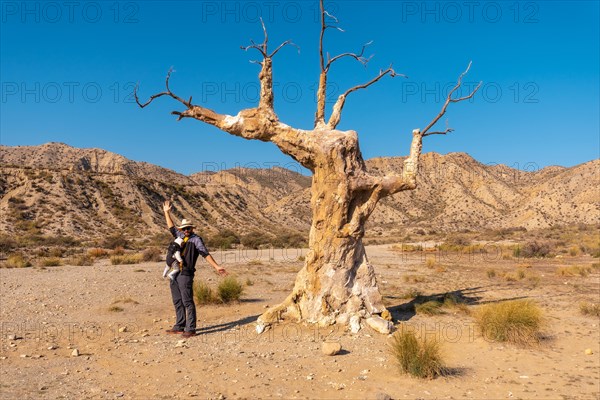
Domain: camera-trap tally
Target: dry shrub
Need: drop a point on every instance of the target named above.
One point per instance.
(590, 309)
(97, 253)
(430, 263)
(491, 273)
(82, 260)
(416, 356)
(50, 262)
(431, 307)
(574, 270)
(534, 249)
(118, 251)
(126, 259)
(115, 309)
(152, 254)
(517, 321)
(17, 261)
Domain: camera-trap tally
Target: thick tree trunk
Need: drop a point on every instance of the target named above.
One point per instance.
(337, 281)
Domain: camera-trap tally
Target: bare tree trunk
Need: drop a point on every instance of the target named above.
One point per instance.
(337, 280)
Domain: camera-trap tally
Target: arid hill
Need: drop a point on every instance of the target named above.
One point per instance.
(60, 190)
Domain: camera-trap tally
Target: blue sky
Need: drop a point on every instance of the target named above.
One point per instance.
(68, 70)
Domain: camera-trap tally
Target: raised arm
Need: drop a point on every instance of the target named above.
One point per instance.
(167, 209)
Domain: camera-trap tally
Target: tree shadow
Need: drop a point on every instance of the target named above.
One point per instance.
(226, 325)
(468, 296)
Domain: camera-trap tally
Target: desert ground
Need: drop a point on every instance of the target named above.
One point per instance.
(51, 314)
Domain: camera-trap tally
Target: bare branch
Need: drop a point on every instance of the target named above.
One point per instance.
(335, 118)
(357, 56)
(449, 100)
(188, 104)
(287, 42)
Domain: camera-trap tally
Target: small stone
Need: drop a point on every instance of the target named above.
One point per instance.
(383, 396)
(12, 337)
(75, 353)
(588, 352)
(331, 348)
(380, 325)
(24, 356)
(52, 347)
(123, 329)
(354, 324)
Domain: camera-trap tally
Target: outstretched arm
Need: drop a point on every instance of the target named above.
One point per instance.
(167, 209)
(220, 270)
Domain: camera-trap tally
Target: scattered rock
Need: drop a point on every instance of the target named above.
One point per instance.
(75, 353)
(123, 329)
(12, 337)
(261, 327)
(331, 348)
(354, 324)
(383, 396)
(589, 352)
(380, 325)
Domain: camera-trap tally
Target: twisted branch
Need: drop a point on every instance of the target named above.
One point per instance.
(336, 115)
(449, 100)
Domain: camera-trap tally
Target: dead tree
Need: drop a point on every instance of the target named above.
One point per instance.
(337, 282)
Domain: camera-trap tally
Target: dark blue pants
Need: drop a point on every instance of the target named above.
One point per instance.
(182, 292)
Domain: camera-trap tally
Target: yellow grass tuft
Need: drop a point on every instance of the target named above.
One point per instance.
(574, 270)
(517, 321)
(418, 357)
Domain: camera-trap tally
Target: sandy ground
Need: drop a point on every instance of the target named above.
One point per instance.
(126, 354)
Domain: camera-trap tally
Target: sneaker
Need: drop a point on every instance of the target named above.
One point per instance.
(188, 334)
(173, 331)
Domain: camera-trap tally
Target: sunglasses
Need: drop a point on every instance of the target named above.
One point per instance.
(187, 228)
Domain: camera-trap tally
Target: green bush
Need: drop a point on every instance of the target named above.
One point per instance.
(255, 240)
(223, 240)
(229, 290)
(418, 357)
(204, 294)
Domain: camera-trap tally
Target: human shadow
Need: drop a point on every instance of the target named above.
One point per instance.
(226, 325)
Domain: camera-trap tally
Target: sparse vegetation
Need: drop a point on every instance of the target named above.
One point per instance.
(229, 290)
(50, 262)
(590, 309)
(431, 307)
(152, 254)
(126, 259)
(82, 260)
(517, 321)
(415, 356)
(491, 273)
(114, 308)
(574, 270)
(204, 294)
(535, 249)
(17, 261)
(97, 253)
